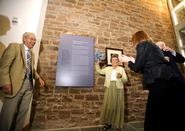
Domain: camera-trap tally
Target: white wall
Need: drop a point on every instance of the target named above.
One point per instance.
(30, 14)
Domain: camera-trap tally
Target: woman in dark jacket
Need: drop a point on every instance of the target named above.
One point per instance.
(157, 78)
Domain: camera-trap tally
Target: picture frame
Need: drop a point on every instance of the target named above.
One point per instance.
(110, 51)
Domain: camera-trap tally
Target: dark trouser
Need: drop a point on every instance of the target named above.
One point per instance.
(159, 112)
(179, 104)
(17, 106)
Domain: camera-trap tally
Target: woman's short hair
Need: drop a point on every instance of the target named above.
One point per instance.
(114, 56)
(140, 36)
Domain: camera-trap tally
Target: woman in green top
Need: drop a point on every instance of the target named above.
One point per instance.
(113, 103)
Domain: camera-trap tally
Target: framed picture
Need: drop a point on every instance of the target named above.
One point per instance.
(110, 52)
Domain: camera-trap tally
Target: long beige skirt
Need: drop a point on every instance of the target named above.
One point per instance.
(113, 106)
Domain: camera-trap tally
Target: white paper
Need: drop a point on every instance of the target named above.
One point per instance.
(124, 58)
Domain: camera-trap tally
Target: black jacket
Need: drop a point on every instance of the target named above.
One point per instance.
(173, 66)
(151, 63)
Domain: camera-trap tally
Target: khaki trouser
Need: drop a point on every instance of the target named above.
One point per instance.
(17, 106)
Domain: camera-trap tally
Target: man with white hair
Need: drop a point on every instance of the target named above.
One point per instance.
(174, 58)
(179, 91)
(16, 79)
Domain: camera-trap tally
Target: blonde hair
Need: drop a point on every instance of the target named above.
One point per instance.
(140, 36)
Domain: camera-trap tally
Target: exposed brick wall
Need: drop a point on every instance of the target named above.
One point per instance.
(111, 23)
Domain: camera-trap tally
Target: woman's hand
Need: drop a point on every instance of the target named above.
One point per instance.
(167, 58)
(119, 75)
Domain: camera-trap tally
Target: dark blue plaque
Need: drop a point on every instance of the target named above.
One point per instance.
(75, 66)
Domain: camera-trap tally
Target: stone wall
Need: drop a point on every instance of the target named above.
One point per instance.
(111, 23)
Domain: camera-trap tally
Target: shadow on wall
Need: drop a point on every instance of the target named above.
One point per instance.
(4, 27)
